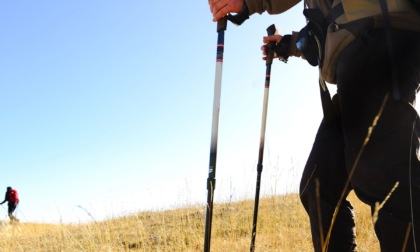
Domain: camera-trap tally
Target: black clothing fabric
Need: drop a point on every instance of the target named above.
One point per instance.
(6, 197)
(11, 207)
(390, 155)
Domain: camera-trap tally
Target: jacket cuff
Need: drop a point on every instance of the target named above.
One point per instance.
(293, 51)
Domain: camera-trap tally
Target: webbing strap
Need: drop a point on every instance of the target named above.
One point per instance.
(391, 53)
(335, 12)
(326, 102)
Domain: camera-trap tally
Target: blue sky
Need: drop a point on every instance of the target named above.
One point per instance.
(106, 107)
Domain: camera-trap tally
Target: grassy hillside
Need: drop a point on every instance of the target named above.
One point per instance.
(282, 226)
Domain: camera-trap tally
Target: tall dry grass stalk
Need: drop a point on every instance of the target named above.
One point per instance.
(282, 226)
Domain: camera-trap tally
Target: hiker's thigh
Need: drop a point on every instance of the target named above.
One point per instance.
(322, 184)
(390, 156)
(363, 81)
(11, 207)
(325, 168)
(389, 166)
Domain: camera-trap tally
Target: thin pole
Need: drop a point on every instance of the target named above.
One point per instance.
(269, 60)
(211, 180)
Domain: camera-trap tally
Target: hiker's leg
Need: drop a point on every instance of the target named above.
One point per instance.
(394, 234)
(11, 209)
(390, 156)
(392, 165)
(14, 217)
(325, 173)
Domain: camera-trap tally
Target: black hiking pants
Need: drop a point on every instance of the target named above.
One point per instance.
(364, 75)
(11, 207)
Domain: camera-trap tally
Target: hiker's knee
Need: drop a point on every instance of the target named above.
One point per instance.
(307, 192)
(394, 234)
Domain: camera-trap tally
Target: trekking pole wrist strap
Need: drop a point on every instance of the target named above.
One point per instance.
(241, 16)
(281, 49)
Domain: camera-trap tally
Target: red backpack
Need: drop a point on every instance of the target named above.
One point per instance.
(13, 196)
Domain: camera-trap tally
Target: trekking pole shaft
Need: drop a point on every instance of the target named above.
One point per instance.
(269, 60)
(211, 180)
(260, 156)
(264, 114)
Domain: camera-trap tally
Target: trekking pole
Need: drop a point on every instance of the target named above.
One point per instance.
(268, 61)
(7, 212)
(211, 181)
(21, 213)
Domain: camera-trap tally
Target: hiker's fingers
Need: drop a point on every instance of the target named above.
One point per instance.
(273, 38)
(264, 50)
(266, 40)
(220, 8)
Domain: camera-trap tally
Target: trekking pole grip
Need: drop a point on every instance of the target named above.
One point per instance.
(271, 30)
(221, 24)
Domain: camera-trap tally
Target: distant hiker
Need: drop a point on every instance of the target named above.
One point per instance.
(13, 200)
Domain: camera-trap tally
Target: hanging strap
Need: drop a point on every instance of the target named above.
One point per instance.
(335, 13)
(326, 101)
(391, 53)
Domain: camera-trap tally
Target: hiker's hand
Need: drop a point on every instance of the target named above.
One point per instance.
(220, 8)
(266, 40)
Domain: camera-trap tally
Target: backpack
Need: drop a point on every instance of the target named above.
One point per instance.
(323, 39)
(13, 196)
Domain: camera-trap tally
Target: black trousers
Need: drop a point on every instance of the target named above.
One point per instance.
(11, 207)
(364, 75)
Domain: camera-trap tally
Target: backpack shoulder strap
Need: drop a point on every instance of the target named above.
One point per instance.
(391, 54)
(335, 12)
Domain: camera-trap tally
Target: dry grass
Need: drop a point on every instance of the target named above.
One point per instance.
(282, 226)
